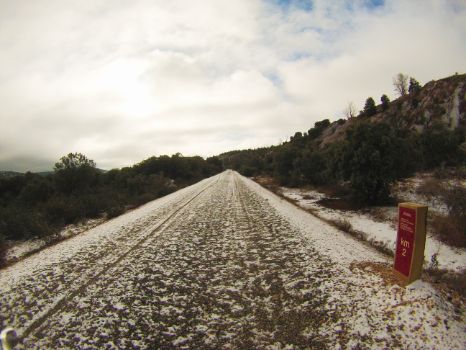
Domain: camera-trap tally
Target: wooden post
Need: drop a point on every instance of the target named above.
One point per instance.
(410, 241)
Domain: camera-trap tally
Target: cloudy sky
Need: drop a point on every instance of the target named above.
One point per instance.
(122, 80)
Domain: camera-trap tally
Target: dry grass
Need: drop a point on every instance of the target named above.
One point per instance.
(448, 231)
(339, 204)
(379, 215)
(343, 225)
(454, 172)
(269, 183)
(447, 281)
(431, 187)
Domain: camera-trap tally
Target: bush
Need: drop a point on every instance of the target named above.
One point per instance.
(448, 231)
(455, 199)
(93, 205)
(343, 225)
(440, 146)
(62, 210)
(18, 223)
(115, 211)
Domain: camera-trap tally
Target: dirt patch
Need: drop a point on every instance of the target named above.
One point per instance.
(383, 270)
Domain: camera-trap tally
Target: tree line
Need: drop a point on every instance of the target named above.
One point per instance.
(371, 156)
(32, 205)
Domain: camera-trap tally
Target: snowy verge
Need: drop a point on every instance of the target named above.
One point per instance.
(20, 249)
(376, 232)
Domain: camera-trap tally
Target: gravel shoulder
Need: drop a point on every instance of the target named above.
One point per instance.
(220, 264)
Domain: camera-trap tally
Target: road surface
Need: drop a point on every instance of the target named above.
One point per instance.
(220, 264)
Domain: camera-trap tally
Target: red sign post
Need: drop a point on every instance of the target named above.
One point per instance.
(410, 242)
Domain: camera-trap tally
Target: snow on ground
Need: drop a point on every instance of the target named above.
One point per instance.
(111, 232)
(371, 303)
(406, 191)
(19, 249)
(381, 233)
(221, 264)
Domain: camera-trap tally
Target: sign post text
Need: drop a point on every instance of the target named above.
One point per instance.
(410, 242)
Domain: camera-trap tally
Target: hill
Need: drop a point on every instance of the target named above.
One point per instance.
(421, 130)
(440, 101)
(9, 173)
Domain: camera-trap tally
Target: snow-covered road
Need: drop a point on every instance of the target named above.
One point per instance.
(220, 264)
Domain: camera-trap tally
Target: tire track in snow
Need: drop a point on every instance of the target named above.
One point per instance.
(115, 258)
(231, 274)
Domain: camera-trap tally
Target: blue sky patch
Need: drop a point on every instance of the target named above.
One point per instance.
(305, 5)
(375, 3)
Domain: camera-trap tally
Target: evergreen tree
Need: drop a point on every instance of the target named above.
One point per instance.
(74, 172)
(369, 107)
(414, 86)
(385, 102)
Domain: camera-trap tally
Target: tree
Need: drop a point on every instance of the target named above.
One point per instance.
(73, 161)
(373, 157)
(312, 166)
(283, 163)
(298, 136)
(400, 82)
(414, 86)
(318, 128)
(385, 102)
(440, 145)
(369, 107)
(74, 172)
(350, 111)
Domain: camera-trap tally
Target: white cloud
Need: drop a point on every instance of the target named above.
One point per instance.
(123, 80)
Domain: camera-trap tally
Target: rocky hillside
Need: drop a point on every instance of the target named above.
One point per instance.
(423, 130)
(439, 101)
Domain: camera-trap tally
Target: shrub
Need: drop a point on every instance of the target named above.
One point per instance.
(115, 211)
(440, 146)
(18, 223)
(143, 199)
(448, 231)
(455, 199)
(343, 225)
(92, 205)
(62, 210)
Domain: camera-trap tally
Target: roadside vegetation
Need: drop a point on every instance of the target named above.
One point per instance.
(450, 225)
(366, 163)
(33, 205)
(361, 157)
